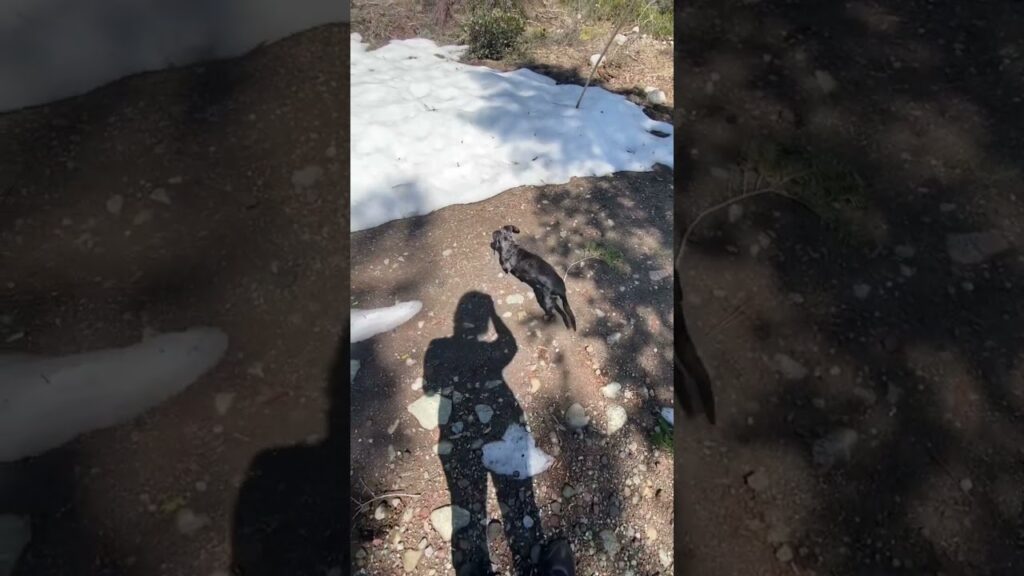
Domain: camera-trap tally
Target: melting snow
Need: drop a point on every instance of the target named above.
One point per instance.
(516, 454)
(369, 323)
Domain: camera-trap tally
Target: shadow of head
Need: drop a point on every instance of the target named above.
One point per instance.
(473, 315)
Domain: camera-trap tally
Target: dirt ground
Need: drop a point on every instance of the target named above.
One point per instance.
(227, 214)
(620, 485)
(866, 357)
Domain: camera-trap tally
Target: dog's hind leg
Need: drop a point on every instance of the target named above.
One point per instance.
(571, 322)
(545, 303)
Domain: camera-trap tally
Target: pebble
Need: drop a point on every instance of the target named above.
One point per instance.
(115, 204)
(447, 253)
(160, 195)
(568, 491)
(611, 391)
(417, 384)
(665, 558)
(493, 530)
(904, 251)
(458, 427)
(381, 511)
(825, 81)
(307, 176)
(443, 448)
(189, 522)
(223, 401)
(447, 520)
(534, 385)
(514, 299)
(757, 481)
(142, 217)
(410, 558)
(861, 291)
(484, 413)
(576, 417)
(620, 39)
(834, 448)
(790, 368)
(609, 542)
(527, 522)
(966, 485)
(784, 553)
(657, 97)
(975, 247)
(614, 338)
(735, 213)
(616, 418)
(431, 411)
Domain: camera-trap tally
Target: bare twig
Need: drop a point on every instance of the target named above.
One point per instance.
(607, 45)
(770, 190)
(580, 261)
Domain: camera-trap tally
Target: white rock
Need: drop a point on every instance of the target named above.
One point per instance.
(160, 195)
(447, 520)
(657, 97)
(616, 418)
(659, 275)
(514, 299)
(611, 391)
(576, 417)
(115, 204)
(431, 411)
(223, 401)
(484, 413)
(307, 176)
(189, 522)
(825, 81)
(790, 368)
(620, 39)
(594, 59)
(527, 522)
(975, 247)
(410, 558)
(443, 448)
(609, 542)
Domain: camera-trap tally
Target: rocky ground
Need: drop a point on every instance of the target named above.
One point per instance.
(201, 196)
(591, 398)
(865, 342)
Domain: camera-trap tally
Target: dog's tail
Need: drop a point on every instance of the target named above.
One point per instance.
(568, 310)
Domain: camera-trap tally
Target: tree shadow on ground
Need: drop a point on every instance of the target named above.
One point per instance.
(892, 122)
(482, 410)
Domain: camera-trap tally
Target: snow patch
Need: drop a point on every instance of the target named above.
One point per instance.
(369, 323)
(516, 454)
(52, 49)
(434, 132)
(45, 402)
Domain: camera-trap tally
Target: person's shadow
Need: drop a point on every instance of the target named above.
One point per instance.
(292, 513)
(467, 369)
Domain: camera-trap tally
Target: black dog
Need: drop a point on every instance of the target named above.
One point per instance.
(547, 285)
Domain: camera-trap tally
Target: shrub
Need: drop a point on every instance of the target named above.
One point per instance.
(493, 33)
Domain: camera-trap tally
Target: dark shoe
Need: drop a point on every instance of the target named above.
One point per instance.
(556, 559)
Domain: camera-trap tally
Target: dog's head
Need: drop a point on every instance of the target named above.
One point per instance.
(503, 237)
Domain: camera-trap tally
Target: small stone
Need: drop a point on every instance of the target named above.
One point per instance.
(256, 370)
(568, 491)
(443, 448)
(431, 411)
(493, 531)
(790, 368)
(665, 558)
(616, 418)
(861, 291)
(659, 275)
(115, 204)
(484, 413)
(447, 520)
(223, 401)
(975, 247)
(835, 448)
(142, 217)
(620, 39)
(307, 176)
(514, 299)
(381, 512)
(825, 81)
(534, 385)
(657, 97)
(611, 391)
(458, 427)
(597, 60)
(447, 253)
(784, 553)
(160, 195)
(576, 417)
(652, 533)
(189, 522)
(417, 384)
(614, 338)
(410, 558)
(175, 180)
(735, 213)
(904, 251)
(527, 522)
(966, 485)
(609, 542)
(757, 481)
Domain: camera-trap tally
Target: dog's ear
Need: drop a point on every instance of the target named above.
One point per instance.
(511, 228)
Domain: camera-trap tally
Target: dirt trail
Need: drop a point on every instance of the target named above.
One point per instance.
(201, 196)
(612, 495)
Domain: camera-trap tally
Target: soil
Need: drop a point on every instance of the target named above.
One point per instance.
(211, 229)
(867, 369)
(622, 481)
